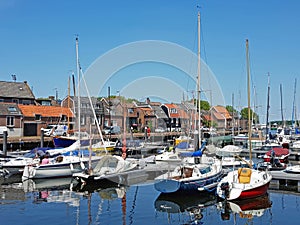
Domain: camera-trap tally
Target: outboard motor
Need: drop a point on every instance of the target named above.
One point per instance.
(225, 189)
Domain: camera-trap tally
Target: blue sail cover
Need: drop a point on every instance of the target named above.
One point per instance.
(183, 145)
(195, 153)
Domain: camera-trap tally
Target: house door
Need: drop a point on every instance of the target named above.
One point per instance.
(30, 129)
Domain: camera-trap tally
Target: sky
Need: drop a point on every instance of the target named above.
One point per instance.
(122, 45)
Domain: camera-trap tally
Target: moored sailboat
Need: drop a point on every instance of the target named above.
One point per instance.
(245, 182)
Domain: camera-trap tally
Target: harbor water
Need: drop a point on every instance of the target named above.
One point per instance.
(62, 202)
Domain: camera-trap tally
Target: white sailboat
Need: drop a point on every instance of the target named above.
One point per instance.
(202, 176)
(245, 183)
(65, 164)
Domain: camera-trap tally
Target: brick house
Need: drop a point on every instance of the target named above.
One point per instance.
(36, 117)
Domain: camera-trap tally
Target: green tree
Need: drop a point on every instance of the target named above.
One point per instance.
(204, 105)
(244, 115)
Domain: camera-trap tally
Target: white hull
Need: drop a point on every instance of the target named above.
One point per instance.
(72, 165)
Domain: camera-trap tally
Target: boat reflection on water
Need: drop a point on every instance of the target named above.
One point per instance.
(55, 190)
(93, 187)
(248, 208)
(31, 185)
(192, 204)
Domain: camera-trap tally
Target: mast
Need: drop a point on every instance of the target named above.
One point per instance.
(233, 121)
(78, 95)
(281, 109)
(268, 108)
(249, 103)
(293, 111)
(68, 103)
(198, 85)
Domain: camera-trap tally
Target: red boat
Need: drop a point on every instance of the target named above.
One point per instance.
(277, 153)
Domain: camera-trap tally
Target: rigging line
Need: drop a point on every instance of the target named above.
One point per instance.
(93, 110)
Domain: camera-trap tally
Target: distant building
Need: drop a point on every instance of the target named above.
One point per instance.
(36, 117)
(221, 117)
(11, 117)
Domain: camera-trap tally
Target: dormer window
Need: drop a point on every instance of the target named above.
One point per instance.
(12, 109)
(38, 117)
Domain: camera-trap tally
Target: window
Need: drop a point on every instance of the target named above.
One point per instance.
(10, 121)
(64, 118)
(15, 100)
(38, 117)
(82, 120)
(26, 102)
(12, 109)
(130, 110)
(173, 110)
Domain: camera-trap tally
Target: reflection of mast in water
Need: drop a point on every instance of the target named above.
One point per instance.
(133, 206)
(124, 209)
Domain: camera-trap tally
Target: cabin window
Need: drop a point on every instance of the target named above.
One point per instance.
(10, 121)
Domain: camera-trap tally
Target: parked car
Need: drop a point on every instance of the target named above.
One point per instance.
(56, 130)
(160, 130)
(111, 130)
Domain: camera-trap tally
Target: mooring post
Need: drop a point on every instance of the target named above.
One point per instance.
(42, 137)
(5, 142)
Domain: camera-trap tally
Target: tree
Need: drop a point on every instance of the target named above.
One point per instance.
(204, 105)
(244, 115)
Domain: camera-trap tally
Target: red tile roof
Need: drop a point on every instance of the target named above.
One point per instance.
(222, 110)
(45, 111)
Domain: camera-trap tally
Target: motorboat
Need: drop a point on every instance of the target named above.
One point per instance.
(108, 165)
(279, 153)
(228, 150)
(60, 166)
(293, 169)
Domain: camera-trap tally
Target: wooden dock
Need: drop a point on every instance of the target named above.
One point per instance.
(286, 181)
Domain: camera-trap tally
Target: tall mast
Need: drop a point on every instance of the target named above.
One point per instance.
(268, 108)
(249, 103)
(78, 91)
(198, 85)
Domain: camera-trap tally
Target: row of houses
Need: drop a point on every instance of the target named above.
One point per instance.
(24, 115)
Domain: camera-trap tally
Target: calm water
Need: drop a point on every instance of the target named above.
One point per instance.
(59, 202)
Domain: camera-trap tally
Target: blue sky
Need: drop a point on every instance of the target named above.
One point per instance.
(38, 43)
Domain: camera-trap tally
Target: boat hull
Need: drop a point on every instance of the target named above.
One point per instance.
(187, 185)
(234, 187)
(56, 170)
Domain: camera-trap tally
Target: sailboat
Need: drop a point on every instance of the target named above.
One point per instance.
(245, 183)
(203, 174)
